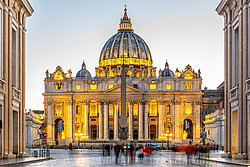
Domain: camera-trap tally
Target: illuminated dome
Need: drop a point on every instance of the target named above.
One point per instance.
(125, 43)
(83, 72)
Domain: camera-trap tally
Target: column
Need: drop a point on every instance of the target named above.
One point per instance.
(106, 121)
(21, 108)
(130, 126)
(49, 123)
(116, 126)
(70, 120)
(245, 77)
(146, 120)
(240, 88)
(21, 66)
(161, 123)
(177, 126)
(100, 120)
(228, 77)
(23, 83)
(140, 137)
(197, 111)
(86, 117)
(5, 77)
(9, 88)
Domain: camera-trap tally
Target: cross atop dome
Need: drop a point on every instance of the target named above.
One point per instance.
(125, 21)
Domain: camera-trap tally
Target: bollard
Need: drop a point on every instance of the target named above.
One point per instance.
(35, 153)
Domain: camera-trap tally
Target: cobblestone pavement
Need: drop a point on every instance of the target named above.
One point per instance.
(93, 158)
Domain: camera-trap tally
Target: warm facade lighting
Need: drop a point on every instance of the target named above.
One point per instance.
(59, 86)
(168, 86)
(78, 87)
(152, 86)
(93, 87)
(188, 85)
(111, 86)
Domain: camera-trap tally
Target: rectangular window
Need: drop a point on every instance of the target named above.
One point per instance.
(15, 62)
(59, 86)
(78, 87)
(188, 85)
(93, 87)
(168, 86)
(235, 55)
(111, 86)
(152, 86)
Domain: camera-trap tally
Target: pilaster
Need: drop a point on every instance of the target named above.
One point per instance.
(9, 89)
(116, 132)
(70, 126)
(86, 117)
(140, 137)
(105, 120)
(146, 121)
(161, 123)
(6, 78)
(245, 77)
(130, 126)
(177, 127)
(100, 120)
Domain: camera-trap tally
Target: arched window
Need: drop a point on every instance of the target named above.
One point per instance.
(136, 111)
(93, 110)
(111, 109)
(188, 108)
(153, 109)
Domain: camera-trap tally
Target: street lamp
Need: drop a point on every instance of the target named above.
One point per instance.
(78, 135)
(162, 137)
(84, 137)
(184, 135)
(168, 134)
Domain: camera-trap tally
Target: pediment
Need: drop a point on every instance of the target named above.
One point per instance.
(129, 89)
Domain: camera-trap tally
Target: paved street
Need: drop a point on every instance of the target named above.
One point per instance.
(94, 158)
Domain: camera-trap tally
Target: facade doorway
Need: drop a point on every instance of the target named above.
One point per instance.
(135, 134)
(152, 132)
(1, 129)
(15, 132)
(93, 132)
(111, 135)
(234, 133)
(59, 130)
(188, 128)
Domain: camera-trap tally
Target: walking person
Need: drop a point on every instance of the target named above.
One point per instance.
(131, 151)
(117, 149)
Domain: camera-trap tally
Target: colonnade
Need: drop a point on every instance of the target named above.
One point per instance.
(144, 122)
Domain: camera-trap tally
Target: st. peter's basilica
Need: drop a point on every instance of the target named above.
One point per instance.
(159, 104)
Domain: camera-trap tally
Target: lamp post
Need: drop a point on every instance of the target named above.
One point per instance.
(168, 134)
(79, 136)
(162, 137)
(84, 137)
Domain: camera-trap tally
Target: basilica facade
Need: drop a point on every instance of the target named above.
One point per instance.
(167, 104)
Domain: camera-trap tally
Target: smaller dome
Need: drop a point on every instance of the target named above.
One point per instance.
(167, 72)
(83, 72)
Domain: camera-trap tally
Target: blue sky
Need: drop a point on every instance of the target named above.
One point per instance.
(63, 32)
